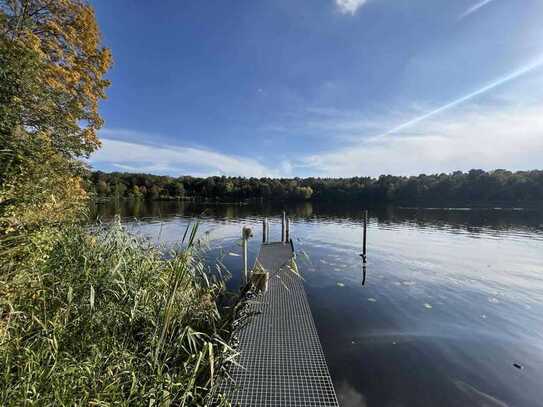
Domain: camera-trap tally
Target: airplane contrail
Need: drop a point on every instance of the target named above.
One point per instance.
(474, 8)
(513, 75)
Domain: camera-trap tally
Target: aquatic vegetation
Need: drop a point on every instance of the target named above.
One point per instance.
(105, 318)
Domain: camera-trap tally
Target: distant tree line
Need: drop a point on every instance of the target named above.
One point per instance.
(226, 189)
(474, 186)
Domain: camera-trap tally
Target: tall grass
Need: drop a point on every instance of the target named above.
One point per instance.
(104, 318)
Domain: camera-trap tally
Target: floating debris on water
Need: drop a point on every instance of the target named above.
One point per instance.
(426, 305)
(233, 254)
(483, 316)
(340, 284)
(518, 366)
(371, 299)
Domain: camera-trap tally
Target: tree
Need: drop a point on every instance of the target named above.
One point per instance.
(52, 68)
(102, 188)
(119, 190)
(178, 189)
(457, 187)
(41, 187)
(136, 192)
(305, 192)
(155, 192)
(65, 38)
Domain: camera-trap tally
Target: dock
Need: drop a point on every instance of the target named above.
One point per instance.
(281, 361)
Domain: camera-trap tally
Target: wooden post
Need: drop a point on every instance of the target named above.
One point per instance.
(364, 257)
(283, 221)
(267, 230)
(287, 232)
(244, 277)
(264, 224)
(245, 235)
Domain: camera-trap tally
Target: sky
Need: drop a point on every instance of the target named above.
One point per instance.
(327, 88)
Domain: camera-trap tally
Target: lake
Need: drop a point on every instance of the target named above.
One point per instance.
(451, 313)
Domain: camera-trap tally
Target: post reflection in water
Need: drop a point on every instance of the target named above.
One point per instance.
(454, 303)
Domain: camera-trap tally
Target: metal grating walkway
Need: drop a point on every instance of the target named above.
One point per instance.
(281, 358)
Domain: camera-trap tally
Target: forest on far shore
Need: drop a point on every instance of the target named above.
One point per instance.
(475, 187)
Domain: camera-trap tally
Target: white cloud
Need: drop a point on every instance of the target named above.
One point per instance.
(431, 142)
(511, 139)
(474, 137)
(349, 6)
(474, 8)
(350, 397)
(173, 160)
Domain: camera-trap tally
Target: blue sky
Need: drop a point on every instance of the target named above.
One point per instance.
(322, 87)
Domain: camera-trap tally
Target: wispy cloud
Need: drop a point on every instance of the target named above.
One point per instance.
(475, 138)
(482, 137)
(465, 138)
(349, 6)
(173, 160)
(351, 126)
(492, 85)
(474, 8)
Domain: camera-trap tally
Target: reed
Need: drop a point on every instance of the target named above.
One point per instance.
(103, 318)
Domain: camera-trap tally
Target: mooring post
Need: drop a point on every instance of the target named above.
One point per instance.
(287, 233)
(264, 224)
(245, 235)
(364, 257)
(267, 230)
(283, 222)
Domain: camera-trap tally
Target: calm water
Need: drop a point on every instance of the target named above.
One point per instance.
(451, 313)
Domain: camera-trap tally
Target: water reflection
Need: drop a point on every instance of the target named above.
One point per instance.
(364, 270)
(349, 396)
(473, 221)
(450, 303)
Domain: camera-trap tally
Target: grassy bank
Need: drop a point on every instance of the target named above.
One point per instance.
(104, 318)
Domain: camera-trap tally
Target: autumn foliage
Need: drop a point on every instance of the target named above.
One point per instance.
(66, 41)
(52, 68)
